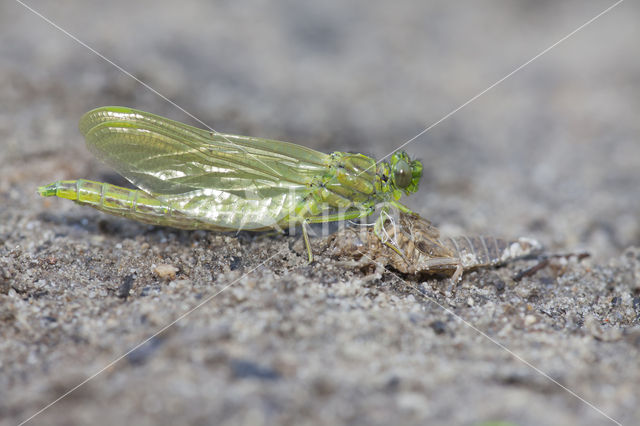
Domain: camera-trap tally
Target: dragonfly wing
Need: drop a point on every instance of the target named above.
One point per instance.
(201, 173)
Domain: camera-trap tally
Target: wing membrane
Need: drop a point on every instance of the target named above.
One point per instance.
(173, 161)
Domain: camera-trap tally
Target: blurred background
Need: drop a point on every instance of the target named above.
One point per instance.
(552, 153)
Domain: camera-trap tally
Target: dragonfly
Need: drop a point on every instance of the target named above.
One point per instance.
(191, 178)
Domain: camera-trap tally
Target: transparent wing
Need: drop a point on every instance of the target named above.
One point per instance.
(194, 170)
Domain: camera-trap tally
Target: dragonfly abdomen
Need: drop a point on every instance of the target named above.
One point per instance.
(139, 205)
(116, 200)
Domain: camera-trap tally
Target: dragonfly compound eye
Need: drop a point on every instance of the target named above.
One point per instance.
(402, 174)
(405, 173)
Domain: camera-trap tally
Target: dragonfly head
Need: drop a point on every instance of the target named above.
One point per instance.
(405, 173)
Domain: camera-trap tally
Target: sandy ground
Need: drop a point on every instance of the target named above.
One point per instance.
(552, 153)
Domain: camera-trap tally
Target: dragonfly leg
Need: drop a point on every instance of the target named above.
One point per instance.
(401, 207)
(348, 215)
(307, 243)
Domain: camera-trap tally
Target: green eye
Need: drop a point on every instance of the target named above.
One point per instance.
(402, 174)
(405, 174)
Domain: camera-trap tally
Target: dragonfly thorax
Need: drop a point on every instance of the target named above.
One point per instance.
(355, 179)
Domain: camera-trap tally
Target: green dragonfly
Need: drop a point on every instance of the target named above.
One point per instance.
(192, 178)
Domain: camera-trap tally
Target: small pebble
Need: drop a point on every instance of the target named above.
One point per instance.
(165, 271)
(530, 320)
